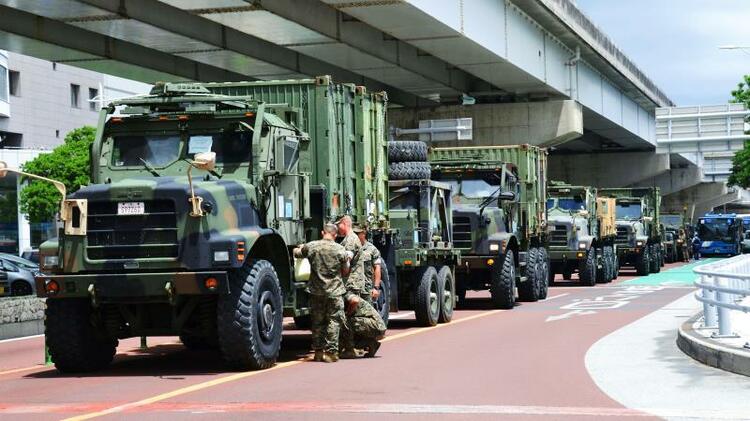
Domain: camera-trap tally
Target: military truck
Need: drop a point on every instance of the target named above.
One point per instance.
(581, 234)
(676, 240)
(199, 193)
(639, 236)
(499, 221)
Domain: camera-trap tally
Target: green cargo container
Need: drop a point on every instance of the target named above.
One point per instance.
(347, 128)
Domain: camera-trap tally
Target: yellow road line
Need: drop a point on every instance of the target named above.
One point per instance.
(243, 375)
(20, 370)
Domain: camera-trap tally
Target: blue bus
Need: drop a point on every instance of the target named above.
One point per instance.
(720, 234)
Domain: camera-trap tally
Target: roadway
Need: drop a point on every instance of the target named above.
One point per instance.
(529, 362)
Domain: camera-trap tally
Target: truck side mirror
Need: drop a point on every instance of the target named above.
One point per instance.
(205, 161)
(583, 213)
(647, 219)
(506, 196)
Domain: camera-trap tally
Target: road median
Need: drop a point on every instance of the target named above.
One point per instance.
(727, 354)
(21, 316)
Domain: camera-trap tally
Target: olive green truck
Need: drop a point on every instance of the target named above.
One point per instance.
(199, 193)
(499, 219)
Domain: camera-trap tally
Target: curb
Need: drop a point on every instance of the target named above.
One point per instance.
(21, 329)
(710, 352)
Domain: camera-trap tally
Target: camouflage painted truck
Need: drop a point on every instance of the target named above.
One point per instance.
(639, 235)
(198, 195)
(499, 219)
(581, 234)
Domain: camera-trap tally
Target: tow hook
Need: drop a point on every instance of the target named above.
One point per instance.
(170, 292)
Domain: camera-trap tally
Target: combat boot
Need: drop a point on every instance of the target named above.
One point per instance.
(372, 348)
(318, 356)
(329, 357)
(349, 354)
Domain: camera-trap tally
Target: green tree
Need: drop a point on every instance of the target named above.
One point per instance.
(68, 163)
(740, 175)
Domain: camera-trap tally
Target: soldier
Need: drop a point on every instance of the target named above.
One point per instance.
(365, 323)
(355, 282)
(369, 255)
(329, 262)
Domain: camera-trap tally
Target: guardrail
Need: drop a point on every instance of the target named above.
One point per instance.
(722, 286)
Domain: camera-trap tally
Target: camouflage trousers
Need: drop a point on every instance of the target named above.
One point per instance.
(359, 330)
(327, 314)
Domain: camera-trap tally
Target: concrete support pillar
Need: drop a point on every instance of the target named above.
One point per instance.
(673, 180)
(607, 169)
(700, 199)
(547, 123)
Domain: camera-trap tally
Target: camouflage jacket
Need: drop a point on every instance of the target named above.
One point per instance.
(366, 318)
(356, 279)
(327, 258)
(370, 256)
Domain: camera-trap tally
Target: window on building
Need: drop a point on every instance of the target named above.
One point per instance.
(14, 83)
(75, 95)
(3, 84)
(93, 94)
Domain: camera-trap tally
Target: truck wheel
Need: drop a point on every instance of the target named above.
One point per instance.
(603, 272)
(249, 318)
(446, 286)
(529, 291)
(655, 260)
(643, 262)
(75, 344)
(426, 302)
(383, 303)
(612, 264)
(544, 275)
(616, 261)
(407, 150)
(503, 283)
(409, 171)
(587, 269)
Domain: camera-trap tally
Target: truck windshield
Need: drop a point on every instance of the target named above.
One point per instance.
(629, 210)
(473, 189)
(717, 229)
(160, 151)
(567, 203)
(671, 220)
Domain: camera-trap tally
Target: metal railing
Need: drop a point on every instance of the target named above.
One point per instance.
(722, 286)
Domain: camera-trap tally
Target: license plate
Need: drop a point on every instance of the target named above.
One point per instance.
(131, 208)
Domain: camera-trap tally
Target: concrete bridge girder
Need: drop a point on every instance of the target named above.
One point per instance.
(607, 169)
(674, 180)
(546, 124)
(701, 198)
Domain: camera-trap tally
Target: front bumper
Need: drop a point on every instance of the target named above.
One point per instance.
(469, 263)
(561, 255)
(133, 286)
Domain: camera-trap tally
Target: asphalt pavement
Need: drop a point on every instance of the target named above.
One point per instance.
(525, 363)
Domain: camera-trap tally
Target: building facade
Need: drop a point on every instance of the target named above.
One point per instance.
(40, 102)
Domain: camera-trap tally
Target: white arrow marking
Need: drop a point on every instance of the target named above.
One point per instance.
(569, 315)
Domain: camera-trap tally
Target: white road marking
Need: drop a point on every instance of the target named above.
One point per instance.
(569, 315)
(20, 339)
(610, 300)
(556, 296)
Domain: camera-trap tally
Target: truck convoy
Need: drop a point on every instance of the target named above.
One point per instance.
(720, 234)
(638, 240)
(581, 234)
(499, 221)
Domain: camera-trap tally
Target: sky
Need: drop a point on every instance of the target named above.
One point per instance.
(675, 43)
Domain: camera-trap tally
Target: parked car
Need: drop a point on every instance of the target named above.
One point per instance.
(19, 275)
(32, 255)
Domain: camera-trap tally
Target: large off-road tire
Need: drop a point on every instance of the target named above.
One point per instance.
(75, 344)
(426, 302)
(544, 275)
(643, 262)
(601, 273)
(587, 269)
(529, 291)
(616, 260)
(249, 318)
(383, 303)
(655, 266)
(446, 289)
(409, 171)
(611, 260)
(503, 283)
(407, 150)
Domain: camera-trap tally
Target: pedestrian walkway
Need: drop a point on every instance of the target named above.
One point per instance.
(679, 276)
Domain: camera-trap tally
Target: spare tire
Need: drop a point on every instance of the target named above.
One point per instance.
(407, 150)
(409, 171)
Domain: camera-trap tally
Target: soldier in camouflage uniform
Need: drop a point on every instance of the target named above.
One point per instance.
(365, 323)
(369, 256)
(329, 262)
(355, 282)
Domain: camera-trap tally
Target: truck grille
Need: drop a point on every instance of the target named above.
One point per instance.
(113, 236)
(462, 232)
(559, 236)
(623, 236)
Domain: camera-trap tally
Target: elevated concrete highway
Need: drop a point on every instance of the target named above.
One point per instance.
(545, 72)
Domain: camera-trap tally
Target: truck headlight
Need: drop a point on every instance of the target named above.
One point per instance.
(639, 243)
(50, 262)
(221, 256)
(494, 247)
(582, 246)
